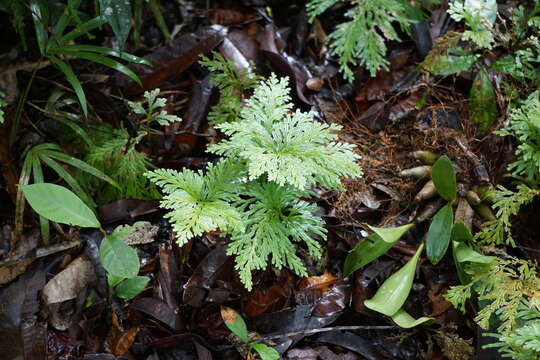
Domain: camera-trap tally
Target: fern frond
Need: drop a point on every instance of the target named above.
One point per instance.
(274, 221)
(288, 148)
(361, 40)
(232, 85)
(199, 202)
(506, 204)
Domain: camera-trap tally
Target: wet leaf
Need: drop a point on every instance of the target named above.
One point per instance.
(159, 310)
(439, 233)
(404, 320)
(118, 14)
(235, 323)
(394, 291)
(265, 352)
(118, 258)
(482, 102)
(130, 288)
(59, 204)
(444, 178)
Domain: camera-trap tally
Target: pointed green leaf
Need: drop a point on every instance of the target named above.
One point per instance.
(265, 352)
(113, 64)
(394, 291)
(130, 288)
(444, 178)
(118, 258)
(365, 252)
(59, 204)
(439, 233)
(461, 233)
(118, 14)
(107, 51)
(391, 235)
(73, 80)
(38, 178)
(82, 29)
(235, 323)
(404, 320)
(482, 102)
(372, 247)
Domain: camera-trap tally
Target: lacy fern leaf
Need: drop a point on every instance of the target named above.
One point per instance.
(199, 202)
(275, 220)
(507, 203)
(232, 84)
(361, 40)
(288, 148)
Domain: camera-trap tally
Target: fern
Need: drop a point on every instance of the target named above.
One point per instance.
(115, 153)
(232, 84)
(503, 284)
(524, 126)
(288, 148)
(272, 159)
(479, 15)
(200, 202)
(275, 220)
(507, 203)
(152, 111)
(361, 40)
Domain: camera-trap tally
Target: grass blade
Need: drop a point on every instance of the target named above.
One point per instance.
(73, 80)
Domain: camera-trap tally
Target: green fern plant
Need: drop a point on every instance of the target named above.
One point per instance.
(152, 110)
(273, 157)
(232, 84)
(114, 152)
(362, 39)
(479, 15)
(506, 203)
(524, 125)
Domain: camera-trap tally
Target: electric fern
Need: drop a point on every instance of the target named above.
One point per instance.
(232, 84)
(200, 202)
(286, 147)
(273, 157)
(361, 40)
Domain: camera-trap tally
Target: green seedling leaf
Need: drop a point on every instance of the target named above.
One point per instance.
(59, 204)
(118, 14)
(372, 247)
(439, 233)
(130, 288)
(391, 235)
(461, 233)
(235, 323)
(113, 280)
(365, 252)
(485, 8)
(482, 103)
(265, 352)
(394, 291)
(118, 258)
(444, 178)
(404, 320)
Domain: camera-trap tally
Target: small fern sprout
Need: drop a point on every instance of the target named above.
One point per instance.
(152, 111)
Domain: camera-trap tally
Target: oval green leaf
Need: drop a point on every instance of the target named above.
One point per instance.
(391, 235)
(265, 352)
(235, 323)
(439, 233)
(404, 320)
(130, 288)
(394, 291)
(118, 258)
(59, 204)
(444, 178)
